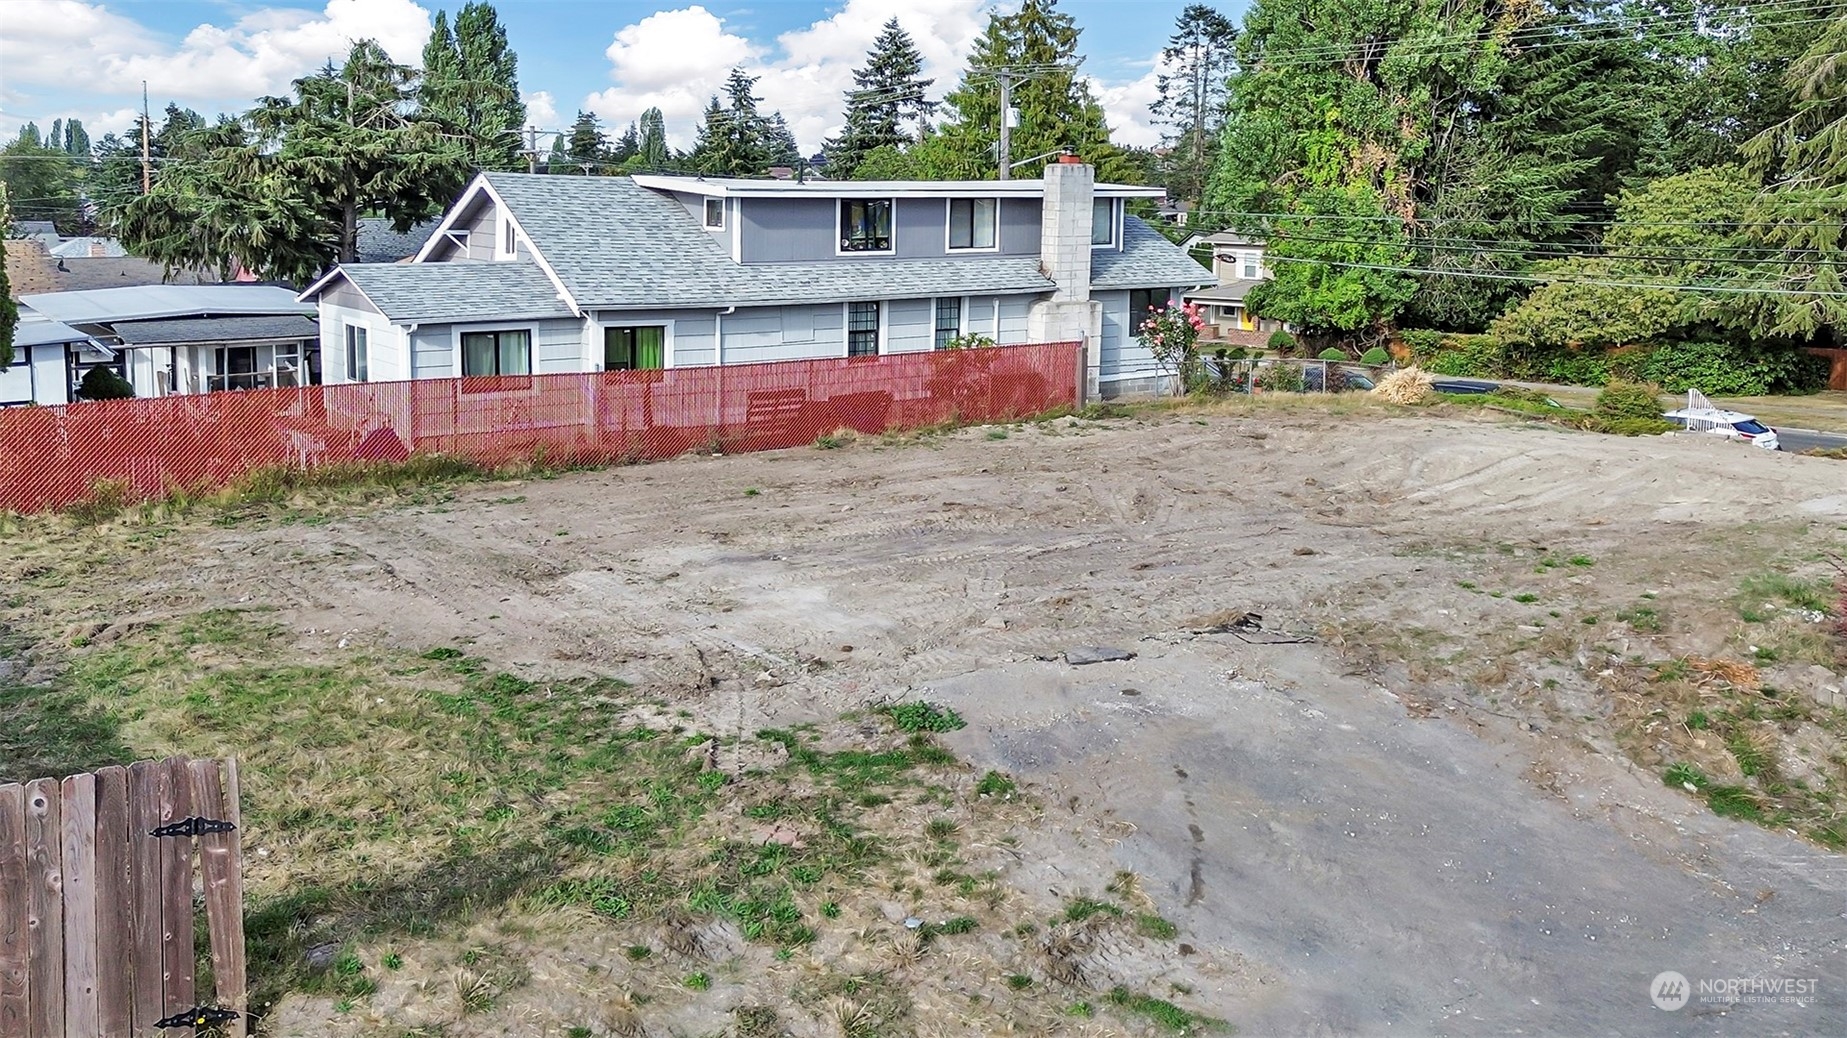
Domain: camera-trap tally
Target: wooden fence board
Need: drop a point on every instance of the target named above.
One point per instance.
(224, 896)
(77, 822)
(15, 1007)
(178, 957)
(114, 905)
(44, 910)
(144, 889)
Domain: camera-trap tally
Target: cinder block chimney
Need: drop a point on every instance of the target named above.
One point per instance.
(1064, 255)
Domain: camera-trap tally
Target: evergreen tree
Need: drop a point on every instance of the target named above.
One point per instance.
(1192, 101)
(627, 146)
(1803, 213)
(9, 311)
(587, 146)
(652, 153)
(55, 139)
(280, 192)
(470, 88)
(888, 93)
(76, 139)
(732, 141)
(779, 145)
(40, 181)
(116, 177)
(1057, 110)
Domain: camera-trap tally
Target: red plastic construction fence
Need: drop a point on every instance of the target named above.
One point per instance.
(51, 457)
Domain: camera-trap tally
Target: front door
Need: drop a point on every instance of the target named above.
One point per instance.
(637, 348)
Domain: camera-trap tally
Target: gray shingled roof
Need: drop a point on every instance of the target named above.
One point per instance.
(617, 245)
(1147, 260)
(460, 291)
(215, 329)
(379, 242)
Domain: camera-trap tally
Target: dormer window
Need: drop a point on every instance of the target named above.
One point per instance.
(1249, 260)
(714, 214)
(972, 223)
(865, 225)
(1103, 222)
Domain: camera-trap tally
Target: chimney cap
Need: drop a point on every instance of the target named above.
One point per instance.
(1068, 156)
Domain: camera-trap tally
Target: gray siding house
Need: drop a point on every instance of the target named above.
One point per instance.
(541, 274)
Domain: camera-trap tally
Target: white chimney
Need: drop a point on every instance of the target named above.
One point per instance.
(1064, 255)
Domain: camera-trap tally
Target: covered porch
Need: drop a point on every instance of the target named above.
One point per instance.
(214, 354)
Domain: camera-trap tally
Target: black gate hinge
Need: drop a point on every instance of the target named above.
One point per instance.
(198, 1016)
(193, 827)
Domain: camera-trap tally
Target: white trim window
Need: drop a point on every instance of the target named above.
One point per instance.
(865, 225)
(504, 351)
(1249, 263)
(358, 366)
(714, 214)
(862, 329)
(507, 246)
(1103, 222)
(974, 224)
(948, 327)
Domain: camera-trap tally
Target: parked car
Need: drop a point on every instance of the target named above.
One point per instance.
(1464, 386)
(1357, 381)
(1732, 425)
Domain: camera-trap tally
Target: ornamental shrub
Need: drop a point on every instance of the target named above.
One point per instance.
(104, 384)
(1332, 353)
(1628, 400)
(1281, 341)
(1376, 357)
(1727, 369)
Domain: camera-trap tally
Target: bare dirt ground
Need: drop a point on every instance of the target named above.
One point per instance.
(1429, 821)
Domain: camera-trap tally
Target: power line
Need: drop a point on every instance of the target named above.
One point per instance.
(1388, 218)
(1553, 280)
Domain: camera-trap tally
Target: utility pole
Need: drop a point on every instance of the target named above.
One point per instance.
(1006, 135)
(532, 149)
(147, 177)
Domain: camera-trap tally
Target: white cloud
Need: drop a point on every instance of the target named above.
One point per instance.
(541, 109)
(1126, 106)
(676, 60)
(71, 46)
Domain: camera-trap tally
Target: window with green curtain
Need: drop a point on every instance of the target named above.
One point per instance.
(496, 353)
(635, 348)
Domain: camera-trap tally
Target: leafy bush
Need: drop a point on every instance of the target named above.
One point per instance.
(1281, 378)
(970, 341)
(1628, 400)
(1332, 353)
(1573, 368)
(1281, 341)
(1727, 369)
(104, 384)
(1447, 353)
(920, 716)
(1377, 357)
(1632, 426)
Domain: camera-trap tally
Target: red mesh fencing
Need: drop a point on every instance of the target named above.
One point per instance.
(56, 456)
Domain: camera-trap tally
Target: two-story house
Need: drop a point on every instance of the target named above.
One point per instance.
(538, 274)
(1238, 264)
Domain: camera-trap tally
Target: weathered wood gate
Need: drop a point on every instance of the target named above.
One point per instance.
(96, 900)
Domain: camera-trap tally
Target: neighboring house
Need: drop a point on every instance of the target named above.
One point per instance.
(546, 274)
(1238, 263)
(179, 339)
(87, 248)
(49, 357)
(380, 241)
(38, 230)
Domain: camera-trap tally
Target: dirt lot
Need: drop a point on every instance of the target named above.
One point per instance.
(1446, 815)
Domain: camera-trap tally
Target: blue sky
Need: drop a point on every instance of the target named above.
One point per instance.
(77, 57)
